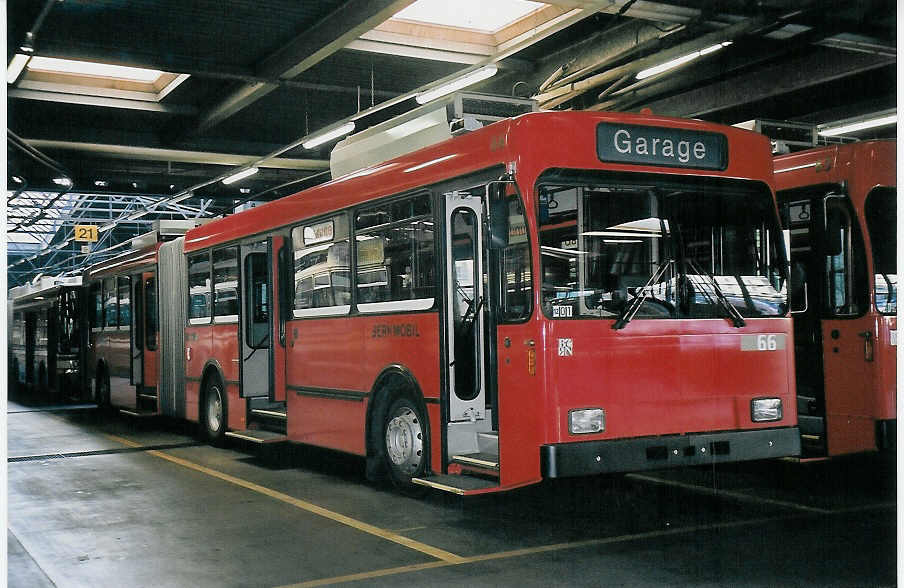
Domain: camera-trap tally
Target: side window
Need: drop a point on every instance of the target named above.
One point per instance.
(844, 264)
(225, 285)
(516, 269)
(151, 320)
(881, 212)
(97, 316)
(110, 317)
(257, 304)
(199, 289)
(125, 307)
(395, 256)
(321, 268)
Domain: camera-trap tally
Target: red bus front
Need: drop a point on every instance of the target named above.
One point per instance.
(661, 334)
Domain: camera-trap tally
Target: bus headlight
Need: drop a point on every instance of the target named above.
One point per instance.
(765, 409)
(586, 420)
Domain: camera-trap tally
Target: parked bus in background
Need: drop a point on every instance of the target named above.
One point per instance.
(555, 294)
(840, 203)
(46, 342)
(124, 356)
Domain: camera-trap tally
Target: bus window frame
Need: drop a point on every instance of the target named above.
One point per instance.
(290, 243)
(199, 321)
(226, 319)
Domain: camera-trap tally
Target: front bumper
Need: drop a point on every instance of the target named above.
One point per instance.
(588, 458)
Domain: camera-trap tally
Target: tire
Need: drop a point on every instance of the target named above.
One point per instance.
(102, 391)
(405, 444)
(213, 413)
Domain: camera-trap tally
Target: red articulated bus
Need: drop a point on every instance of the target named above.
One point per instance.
(555, 294)
(125, 357)
(840, 203)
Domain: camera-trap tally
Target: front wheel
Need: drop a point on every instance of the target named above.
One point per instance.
(405, 444)
(214, 417)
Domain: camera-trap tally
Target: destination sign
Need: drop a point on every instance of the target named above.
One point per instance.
(642, 145)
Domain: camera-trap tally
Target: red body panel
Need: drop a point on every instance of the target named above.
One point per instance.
(858, 391)
(347, 355)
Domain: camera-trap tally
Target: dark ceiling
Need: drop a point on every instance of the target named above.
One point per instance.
(265, 73)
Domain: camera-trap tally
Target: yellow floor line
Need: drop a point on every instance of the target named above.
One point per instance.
(527, 551)
(563, 546)
(440, 554)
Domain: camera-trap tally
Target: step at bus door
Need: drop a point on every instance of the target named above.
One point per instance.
(256, 326)
(465, 307)
(136, 338)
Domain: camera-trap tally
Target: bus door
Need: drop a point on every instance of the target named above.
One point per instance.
(148, 333)
(848, 333)
(255, 329)
(136, 340)
(832, 365)
(465, 304)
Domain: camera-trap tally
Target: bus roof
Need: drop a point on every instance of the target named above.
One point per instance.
(864, 163)
(532, 142)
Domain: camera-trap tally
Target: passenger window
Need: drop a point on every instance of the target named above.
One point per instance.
(225, 285)
(257, 309)
(125, 307)
(199, 289)
(97, 317)
(516, 271)
(843, 260)
(151, 321)
(110, 318)
(395, 267)
(321, 268)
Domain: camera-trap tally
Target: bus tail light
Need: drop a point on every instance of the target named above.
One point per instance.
(587, 420)
(531, 361)
(765, 409)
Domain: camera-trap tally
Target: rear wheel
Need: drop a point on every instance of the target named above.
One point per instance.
(214, 414)
(405, 444)
(102, 393)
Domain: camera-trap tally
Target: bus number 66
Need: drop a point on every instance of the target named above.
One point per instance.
(766, 343)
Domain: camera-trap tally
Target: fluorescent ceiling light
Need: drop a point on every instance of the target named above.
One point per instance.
(477, 15)
(16, 65)
(464, 81)
(862, 125)
(240, 175)
(88, 68)
(652, 71)
(62, 182)
(329, 135)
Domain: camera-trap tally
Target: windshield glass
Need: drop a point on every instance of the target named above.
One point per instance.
(881, 212)
(678, 243)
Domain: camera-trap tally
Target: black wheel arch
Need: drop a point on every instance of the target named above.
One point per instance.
(393, 381)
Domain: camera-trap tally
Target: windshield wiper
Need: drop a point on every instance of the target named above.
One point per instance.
(736, 319)
(631, 309)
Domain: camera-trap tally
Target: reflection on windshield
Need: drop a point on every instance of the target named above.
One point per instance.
(675, 246)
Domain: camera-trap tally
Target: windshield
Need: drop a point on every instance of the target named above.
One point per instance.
(881, 212)
(688, 247)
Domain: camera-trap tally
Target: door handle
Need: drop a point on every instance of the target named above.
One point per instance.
(867, 345)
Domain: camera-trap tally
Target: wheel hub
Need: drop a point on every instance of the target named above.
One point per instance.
(405, 440)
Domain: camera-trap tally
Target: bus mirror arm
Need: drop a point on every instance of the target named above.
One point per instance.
(499, 224)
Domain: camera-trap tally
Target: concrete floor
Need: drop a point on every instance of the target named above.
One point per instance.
(99, 500)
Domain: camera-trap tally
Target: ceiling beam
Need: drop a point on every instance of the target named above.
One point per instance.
(795, 74)
(176, 155)
(309, 48)
(101, 101)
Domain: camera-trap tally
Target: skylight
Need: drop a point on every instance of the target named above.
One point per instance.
(475, 15)
(88, 68)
